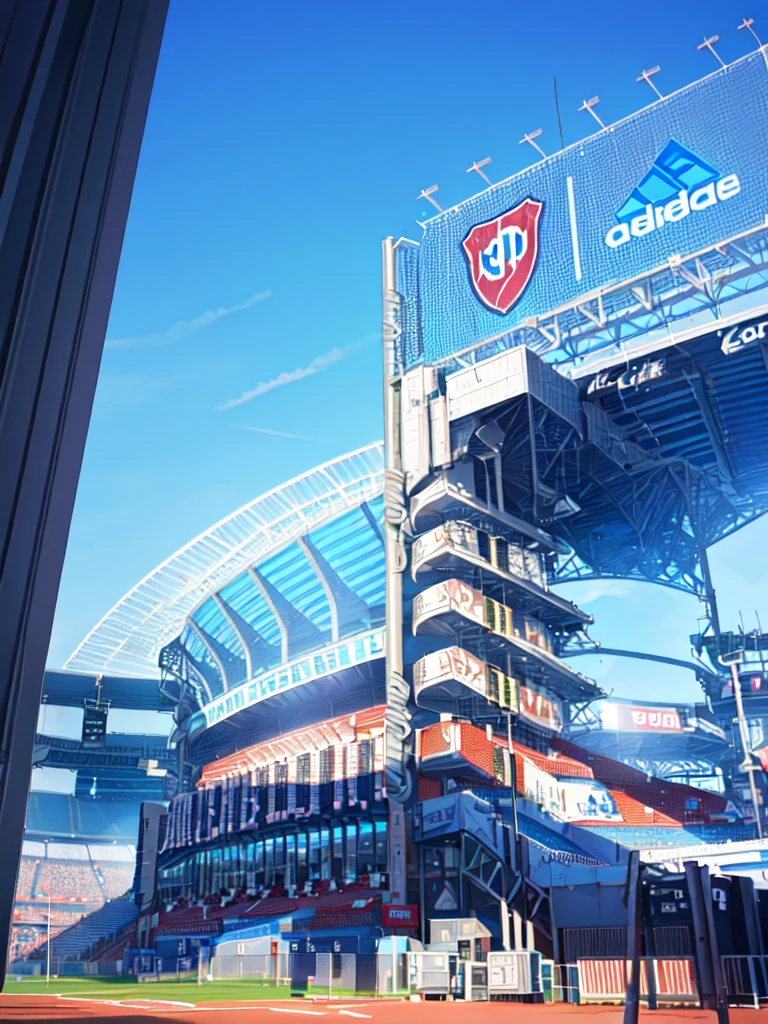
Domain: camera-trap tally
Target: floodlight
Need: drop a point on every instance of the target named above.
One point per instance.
(427, 193)
(646, 77)
(477, 167)
(709, 44)
(588, 106)
(529, 139)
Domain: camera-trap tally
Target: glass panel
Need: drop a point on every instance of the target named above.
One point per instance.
(381, 846)
(350, 867)
(365, 853)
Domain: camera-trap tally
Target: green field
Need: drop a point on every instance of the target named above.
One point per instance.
(183, 991)
(120, 988)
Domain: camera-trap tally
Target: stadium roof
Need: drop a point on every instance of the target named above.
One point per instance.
(129, 638)
(69, 689)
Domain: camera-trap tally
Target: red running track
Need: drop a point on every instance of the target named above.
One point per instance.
(42, 1009)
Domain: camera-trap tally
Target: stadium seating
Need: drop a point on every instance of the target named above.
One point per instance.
(115, 878)
(70, 880)
(552, 840)
(649, 838)
(73, 943)
(26, 877)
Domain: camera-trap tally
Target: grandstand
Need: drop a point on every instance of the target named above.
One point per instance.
(80, 848)
(370, 667)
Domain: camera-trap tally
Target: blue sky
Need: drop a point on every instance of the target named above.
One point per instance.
(283, 143)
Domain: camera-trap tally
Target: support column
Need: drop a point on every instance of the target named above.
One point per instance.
(77, 76)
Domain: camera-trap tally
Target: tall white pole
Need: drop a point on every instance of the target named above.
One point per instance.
(746, 745)
(48, 957)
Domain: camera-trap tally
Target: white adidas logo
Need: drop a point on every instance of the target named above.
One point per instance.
(685, 203)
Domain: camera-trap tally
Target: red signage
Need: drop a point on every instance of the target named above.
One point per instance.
(502, 255)
(393, 916)
(658, 720)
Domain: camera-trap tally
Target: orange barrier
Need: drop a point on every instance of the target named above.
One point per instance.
(604, 981)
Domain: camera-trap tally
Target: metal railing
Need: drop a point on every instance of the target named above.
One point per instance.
(746, 980)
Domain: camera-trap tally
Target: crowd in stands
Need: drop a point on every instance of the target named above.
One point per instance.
(72, 880)
(37, 913)
(69, 880)
(26, 876)
(115, 879)
(24, 939)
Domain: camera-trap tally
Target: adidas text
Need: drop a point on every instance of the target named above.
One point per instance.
(676, 209)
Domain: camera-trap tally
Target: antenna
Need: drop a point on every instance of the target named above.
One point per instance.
(748, 23)
(531, 137)
(646, 77)
(427, 193)
(759, 627)
(709, 44)
(588, 106)
(478, 166)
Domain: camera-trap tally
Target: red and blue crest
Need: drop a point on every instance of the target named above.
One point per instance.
(502, 255)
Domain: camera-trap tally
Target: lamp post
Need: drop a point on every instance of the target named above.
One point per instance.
(732, 659)
(48, 944)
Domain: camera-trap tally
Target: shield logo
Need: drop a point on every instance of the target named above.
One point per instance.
(502, 255)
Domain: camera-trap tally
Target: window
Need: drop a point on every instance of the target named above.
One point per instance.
(350, 867)
(381, 846)
(365, 849)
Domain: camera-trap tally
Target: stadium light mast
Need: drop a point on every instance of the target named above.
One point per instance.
(478, 166)
(530, 139)
(747, 23)
(709, 44)
(427, 193)
(646, 77)
(731, 660)
(588, 105)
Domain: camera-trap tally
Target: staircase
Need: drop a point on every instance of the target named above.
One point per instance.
(104, 923)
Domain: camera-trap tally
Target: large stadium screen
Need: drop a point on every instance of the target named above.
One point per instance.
(674, 179)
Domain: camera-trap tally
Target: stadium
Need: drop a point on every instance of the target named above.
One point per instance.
(382, 741)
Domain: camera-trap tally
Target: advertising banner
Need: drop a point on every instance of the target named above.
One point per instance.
(676, 177)
(453, 595)
(625, 718)
(587, 800)
(659, 720)
(399, 916)
(541, 710)
(453, 663)
(366, 647)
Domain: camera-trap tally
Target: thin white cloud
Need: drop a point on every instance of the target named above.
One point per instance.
(320, 363)
(593, 590)
(280, 433)
(184, 328)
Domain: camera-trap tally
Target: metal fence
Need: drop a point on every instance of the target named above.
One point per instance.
(510, 975)
(272, 969)
(746, 980)
(671, 980)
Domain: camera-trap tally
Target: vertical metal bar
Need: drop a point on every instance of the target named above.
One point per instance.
(634, 936)
(397, 726)
(746, 745)
(753, 982)
(717, 971)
